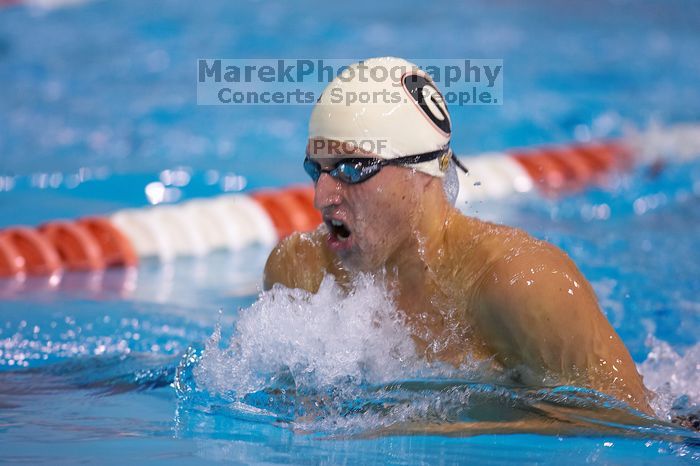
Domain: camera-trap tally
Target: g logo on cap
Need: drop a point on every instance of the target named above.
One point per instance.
(429, 100)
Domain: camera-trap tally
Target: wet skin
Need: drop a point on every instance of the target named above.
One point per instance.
(468, 288)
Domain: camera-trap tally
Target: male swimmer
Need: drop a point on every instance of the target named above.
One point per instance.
(468, 288)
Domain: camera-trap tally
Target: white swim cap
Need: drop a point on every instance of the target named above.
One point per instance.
(387, 107)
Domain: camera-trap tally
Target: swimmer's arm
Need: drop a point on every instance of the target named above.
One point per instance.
(538, 310)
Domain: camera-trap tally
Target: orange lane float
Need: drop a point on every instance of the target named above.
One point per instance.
(39, 255)
(279, 212)
(11, 261)
(544, 169)
(306, 195)
(75, 246)
(115, 249)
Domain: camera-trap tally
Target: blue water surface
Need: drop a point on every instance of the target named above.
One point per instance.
(99, 99)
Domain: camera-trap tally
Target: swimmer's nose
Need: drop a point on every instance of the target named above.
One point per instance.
(327, 192)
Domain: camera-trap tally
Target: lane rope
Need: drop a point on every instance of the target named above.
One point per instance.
(237, 221)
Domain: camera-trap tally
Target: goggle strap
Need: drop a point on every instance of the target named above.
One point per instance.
(428, 156)
(459, 164)
(417, 158)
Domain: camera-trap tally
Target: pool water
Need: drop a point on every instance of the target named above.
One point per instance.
(181, 362)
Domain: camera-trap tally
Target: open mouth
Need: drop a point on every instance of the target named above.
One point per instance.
(339, 230)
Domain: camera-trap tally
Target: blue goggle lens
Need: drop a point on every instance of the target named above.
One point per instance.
(350, 171)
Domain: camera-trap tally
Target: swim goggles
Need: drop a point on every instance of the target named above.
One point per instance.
(357, 170)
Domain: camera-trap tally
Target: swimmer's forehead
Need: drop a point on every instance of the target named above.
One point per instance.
(330, 152)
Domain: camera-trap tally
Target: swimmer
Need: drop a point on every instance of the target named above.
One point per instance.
(469, 289)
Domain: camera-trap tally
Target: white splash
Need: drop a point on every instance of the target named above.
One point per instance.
(450, 183)
(671, 375)
(322, 339)
(342, 340)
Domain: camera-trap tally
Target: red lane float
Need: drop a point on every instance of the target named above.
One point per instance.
(279, 212)
(87, 244)
(305, 195)
(76, 247)
(291, 209)
(11, 261)
(574, 167)
(37, 253)
(115, 249)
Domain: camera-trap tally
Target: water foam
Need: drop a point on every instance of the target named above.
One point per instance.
(673, 377)
(343, 361)
(332, 361)
(322, 340)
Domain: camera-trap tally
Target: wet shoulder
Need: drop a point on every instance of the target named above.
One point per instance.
(504, 243)
(510, 256)
(298, 261)
(477, 246)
